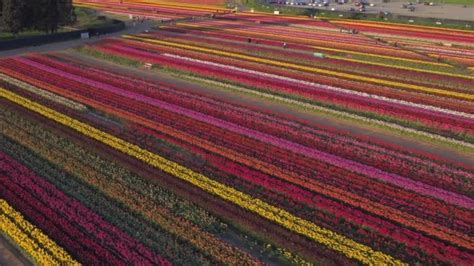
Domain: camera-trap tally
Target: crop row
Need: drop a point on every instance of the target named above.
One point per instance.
(321, 235)
(234, 117)
(391, 110)
(299, 53)
(138, 119)
(88, 227)
(104, 176)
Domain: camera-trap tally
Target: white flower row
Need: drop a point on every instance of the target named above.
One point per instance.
(46, 94)
(334, 112)
(326, 87)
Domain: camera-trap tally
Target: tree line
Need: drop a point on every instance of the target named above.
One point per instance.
(42, 15)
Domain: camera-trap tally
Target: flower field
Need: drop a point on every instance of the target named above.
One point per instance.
(156, 9)
(248, 139)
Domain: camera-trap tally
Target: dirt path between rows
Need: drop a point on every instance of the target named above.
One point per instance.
(10, 256)
(347, 127)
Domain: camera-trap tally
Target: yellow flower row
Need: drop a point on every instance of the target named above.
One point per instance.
(323, 236)
(32, 240)
(308, 68)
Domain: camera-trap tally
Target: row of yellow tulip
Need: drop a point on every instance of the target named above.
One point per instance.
(323, 236)
(442, 92)
(45, 146)
(32, 240)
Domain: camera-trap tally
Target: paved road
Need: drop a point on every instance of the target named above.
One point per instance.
(130, 29)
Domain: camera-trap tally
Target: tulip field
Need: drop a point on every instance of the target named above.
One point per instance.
(155, 9)
(241, 139)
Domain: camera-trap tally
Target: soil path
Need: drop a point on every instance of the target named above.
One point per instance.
(10, 256)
